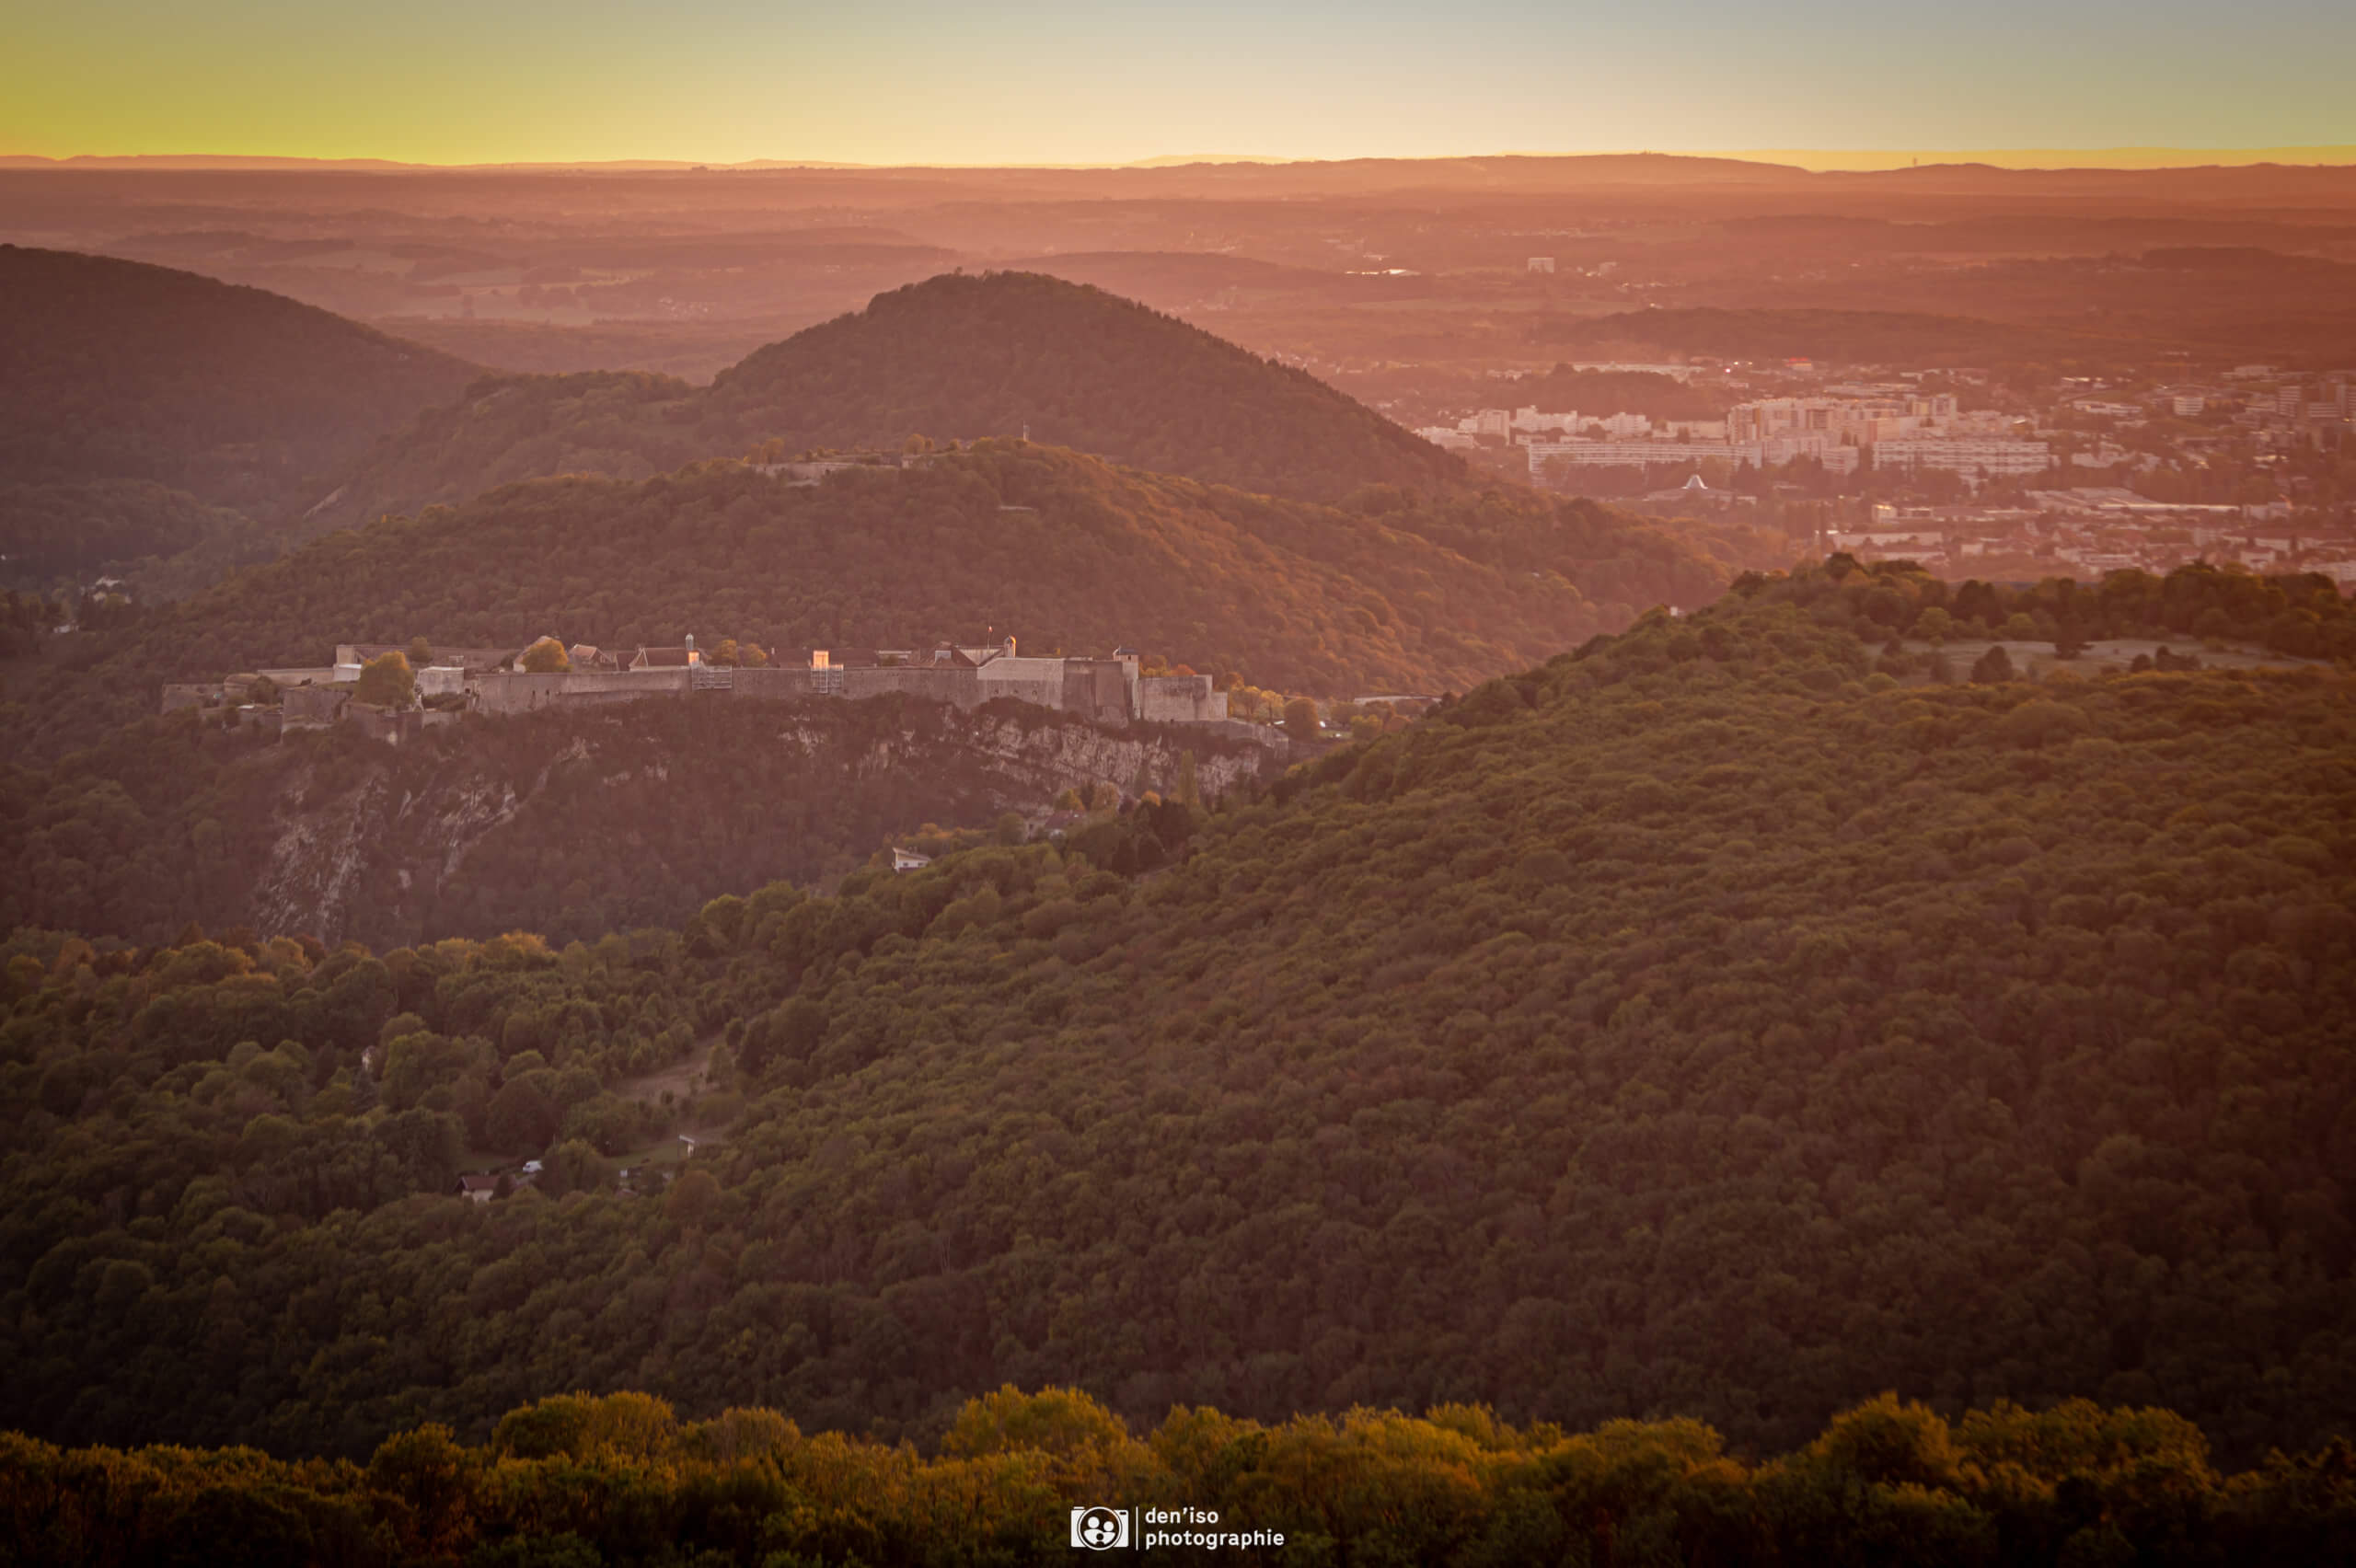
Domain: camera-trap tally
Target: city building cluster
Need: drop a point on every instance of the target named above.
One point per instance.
(1978, 474)
(1893, 428)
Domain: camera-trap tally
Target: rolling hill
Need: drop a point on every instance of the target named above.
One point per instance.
(117, 370)
(1710, 1023)
(960, 357)
(955, 358)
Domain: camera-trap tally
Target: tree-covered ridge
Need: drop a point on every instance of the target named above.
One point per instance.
(960, 357)
(587, 1482)
(114, 370)
(1705, 1024)
(2301, 613)
(1066, 551)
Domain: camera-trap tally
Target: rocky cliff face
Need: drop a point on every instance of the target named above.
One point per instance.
(576, 824)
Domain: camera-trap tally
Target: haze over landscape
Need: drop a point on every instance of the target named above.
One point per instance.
(1061, 83)
(786, 787)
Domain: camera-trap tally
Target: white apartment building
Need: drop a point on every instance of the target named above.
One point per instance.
(1664, 453)
(1625, 454)
(1837, 457)
(1851, 419)
(1984, 457)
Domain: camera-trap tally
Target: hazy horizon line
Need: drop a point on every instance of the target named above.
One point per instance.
(1813, 160)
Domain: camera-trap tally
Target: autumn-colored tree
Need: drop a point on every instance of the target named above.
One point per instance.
(545, 657)
(386, 681)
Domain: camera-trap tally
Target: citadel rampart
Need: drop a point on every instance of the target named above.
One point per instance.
(1178, 699)
(1102, 690)
(517, 691)
(960, 687)
(775, 684)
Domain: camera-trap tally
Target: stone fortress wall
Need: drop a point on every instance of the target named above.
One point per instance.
(1101, 690)
(1105, 690)
(516, 691)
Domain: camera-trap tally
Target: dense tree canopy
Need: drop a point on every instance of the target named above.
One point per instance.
(2302, 614)
(584, 1482)
(1707, 1024)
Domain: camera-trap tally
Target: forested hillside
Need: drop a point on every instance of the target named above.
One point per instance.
(2302, 614)
(116, 370)
(962, 357)
(578, 1482)
(1065, 551)
(955, 358)
(168, 542)
(569, 824)
(1710, 1023)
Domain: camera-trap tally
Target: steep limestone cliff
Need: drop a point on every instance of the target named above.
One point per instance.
(576, 824)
